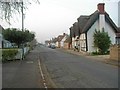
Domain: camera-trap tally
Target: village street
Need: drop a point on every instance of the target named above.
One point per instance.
(65, 70)
(72, 71)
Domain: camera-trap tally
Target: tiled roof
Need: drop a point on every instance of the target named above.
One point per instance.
(60, 37)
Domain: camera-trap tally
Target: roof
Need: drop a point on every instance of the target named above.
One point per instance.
(54, 40)
(82, 20)
(60, 37)
(48, 41)
(118, 35)
(85, 22)
(118, 29)
(76, 29)
(68, 40)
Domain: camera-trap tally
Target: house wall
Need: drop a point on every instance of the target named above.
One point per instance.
(90, 34)
(82, 42)
(62, 42)
(7, 44)
(66, 46)
(111, 33)
(90, 38)
(0, 40)
(101, 21)
(73, 42)
(58, 44)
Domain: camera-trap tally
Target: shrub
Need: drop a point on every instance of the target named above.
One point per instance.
(95, 53)
(8, 54)
(102, 41)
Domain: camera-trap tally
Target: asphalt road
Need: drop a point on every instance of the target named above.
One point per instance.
(65, 70)
(72, 71)
(22, 74)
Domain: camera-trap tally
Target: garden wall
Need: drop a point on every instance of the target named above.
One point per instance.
(115, 52)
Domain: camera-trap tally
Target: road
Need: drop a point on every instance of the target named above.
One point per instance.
(73, 71)
(22, 74)
(65, 70)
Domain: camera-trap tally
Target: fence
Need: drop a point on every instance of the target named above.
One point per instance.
(19, 54)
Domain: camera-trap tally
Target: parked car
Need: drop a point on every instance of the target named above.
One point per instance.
(53, 46)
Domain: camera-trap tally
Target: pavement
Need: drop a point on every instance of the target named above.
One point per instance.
(101, 58)
(22, 73)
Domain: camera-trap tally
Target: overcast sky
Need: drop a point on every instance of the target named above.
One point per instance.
(51, 18)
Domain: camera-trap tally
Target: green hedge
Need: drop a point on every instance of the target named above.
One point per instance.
(8, 54)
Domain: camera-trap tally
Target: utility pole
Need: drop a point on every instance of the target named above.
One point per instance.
(22, 18)
(22, 30)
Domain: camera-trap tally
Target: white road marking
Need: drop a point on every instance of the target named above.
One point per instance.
(29, 62)
(41, 72)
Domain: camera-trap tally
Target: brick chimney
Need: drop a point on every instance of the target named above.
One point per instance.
(100, 7)
(63, 34)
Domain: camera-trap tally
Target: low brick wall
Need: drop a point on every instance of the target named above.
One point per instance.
(115, 52)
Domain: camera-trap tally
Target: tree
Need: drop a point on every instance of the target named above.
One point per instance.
(17, 36)
(10, 7)
(101, 41)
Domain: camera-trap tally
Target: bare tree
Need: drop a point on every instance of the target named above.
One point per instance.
(10, 7)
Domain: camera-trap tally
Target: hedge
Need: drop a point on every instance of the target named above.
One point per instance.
(8, 54)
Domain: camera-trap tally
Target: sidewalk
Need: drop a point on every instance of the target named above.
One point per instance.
(101, 58)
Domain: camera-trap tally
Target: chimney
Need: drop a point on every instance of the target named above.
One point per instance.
(101, 15)
(100, 7)
(63, 34)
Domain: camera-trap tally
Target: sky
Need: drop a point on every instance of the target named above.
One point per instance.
(51, 18)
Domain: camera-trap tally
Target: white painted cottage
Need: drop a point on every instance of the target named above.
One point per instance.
(87, 25)
(63, 40)
(98, 20)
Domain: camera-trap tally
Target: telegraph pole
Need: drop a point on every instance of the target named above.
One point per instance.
(22, 18)
(22, 30)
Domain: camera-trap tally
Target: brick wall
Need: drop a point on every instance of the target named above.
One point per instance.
(67, 46)
(115, 52)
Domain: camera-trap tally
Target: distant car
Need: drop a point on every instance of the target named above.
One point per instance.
(53, 46)
(49, 46)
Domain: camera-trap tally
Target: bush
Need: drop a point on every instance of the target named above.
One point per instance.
(95, 53)
(8, 54)
(102, 41)
(98, 53)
